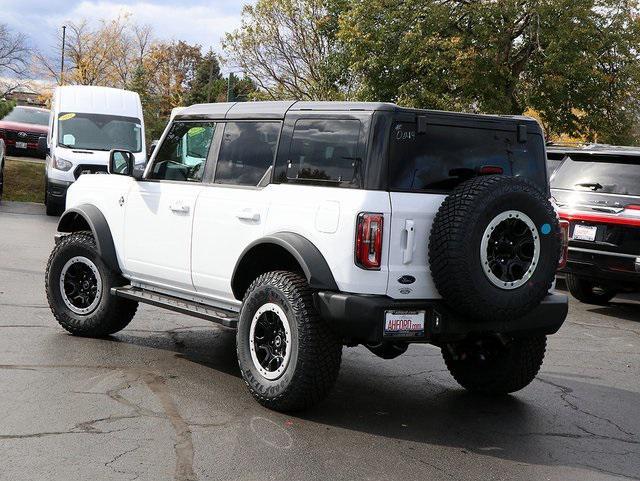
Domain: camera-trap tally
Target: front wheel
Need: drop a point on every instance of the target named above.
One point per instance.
(78, 285)
(492, 366)
(588, 292)
(288, 356)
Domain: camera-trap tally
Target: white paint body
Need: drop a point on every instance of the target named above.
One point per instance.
(189, 237)
(88, 100)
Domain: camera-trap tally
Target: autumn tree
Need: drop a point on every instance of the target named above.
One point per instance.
(283, 46)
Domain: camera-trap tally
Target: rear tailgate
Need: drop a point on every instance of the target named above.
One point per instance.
(425, 166)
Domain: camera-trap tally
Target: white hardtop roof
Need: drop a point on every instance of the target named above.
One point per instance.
(98, 100)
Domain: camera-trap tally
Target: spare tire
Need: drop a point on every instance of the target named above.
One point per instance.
(494, 248)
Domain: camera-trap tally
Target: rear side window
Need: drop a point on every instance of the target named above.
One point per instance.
(247, 152)
(324, 152)
(446, 155)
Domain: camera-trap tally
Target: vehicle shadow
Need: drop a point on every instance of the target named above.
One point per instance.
(559, 420)
(619, 310)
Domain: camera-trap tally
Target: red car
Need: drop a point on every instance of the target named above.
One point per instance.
(22, 127)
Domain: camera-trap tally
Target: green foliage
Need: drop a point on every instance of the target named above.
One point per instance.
(574, 62)
(6, 106)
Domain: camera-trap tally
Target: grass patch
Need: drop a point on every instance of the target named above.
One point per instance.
(23, 181)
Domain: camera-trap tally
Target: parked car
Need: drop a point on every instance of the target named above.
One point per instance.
(312, 225)
(87, 122)
(22, 127)
(597, 189)
(3, 152)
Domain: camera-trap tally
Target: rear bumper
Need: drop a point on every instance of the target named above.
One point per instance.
(607, 266)
(360, 318)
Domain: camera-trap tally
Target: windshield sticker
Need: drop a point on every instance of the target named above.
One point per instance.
(66, 117)
(195, 131)
(405, 135)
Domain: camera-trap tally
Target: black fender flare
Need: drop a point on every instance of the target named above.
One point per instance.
(313, 264)
(96, 221)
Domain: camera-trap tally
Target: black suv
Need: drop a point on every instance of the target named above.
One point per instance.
(597, 189)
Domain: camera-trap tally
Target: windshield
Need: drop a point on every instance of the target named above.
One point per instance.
(616, 174)
(99, 132)
(28, 116)
(446, 155)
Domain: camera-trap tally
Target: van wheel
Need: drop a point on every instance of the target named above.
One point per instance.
(78, 285)
(490, 366)
(588, 292)
(288, 356)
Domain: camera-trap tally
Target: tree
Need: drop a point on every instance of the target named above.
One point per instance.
(283, 46)
(574, 62)
(14, 60)
(206, 85)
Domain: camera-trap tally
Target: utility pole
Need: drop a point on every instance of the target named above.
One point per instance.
(64, 38)
(210, 76)
(229, 87)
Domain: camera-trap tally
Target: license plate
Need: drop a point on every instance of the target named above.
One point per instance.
(404, 323)
(585, 232)
(21, 145)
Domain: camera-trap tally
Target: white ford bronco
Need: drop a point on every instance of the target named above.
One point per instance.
(307, 226)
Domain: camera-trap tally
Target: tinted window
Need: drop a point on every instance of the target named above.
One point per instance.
(446, 155)
(246, 152)
(616, 174)
(183, 153)
(28, 116)
(99, 132)
(324, 152)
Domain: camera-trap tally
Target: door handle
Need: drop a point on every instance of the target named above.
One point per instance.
(409, 228)
(248, 214)
(179, 207)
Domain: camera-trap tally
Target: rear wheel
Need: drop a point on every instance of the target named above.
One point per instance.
(288, 356)
(78, 285)
(588, 292)
(492, 366)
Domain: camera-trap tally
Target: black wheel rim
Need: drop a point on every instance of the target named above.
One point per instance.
(270, 341)
(510, 249)
(80, 285)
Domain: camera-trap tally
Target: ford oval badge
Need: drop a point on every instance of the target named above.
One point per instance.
(406, 279)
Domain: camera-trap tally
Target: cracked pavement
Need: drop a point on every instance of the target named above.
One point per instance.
(162, 400)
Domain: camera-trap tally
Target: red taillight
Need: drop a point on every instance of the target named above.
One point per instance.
(369, 240)
(564, 236)
(632, 207)
(490, 169)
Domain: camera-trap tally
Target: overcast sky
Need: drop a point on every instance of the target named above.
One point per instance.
(195, 21)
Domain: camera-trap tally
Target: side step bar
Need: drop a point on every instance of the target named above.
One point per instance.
(191, 308)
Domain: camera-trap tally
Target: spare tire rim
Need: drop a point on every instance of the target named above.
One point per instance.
(270, 341)
(510, 249)
(80, 285)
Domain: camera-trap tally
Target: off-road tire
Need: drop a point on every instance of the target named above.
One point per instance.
(509, 371)
(585, 291)
(456, 237)
(112, 313)
(315, 351)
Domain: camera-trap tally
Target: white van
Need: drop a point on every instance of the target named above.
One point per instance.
(86, 123)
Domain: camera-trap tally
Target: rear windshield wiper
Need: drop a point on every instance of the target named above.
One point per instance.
(590, 185)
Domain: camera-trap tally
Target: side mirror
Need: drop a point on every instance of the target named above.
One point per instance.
(121, 162)
(43, 148)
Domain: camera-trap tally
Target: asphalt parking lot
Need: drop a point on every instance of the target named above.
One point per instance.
(163, 400)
